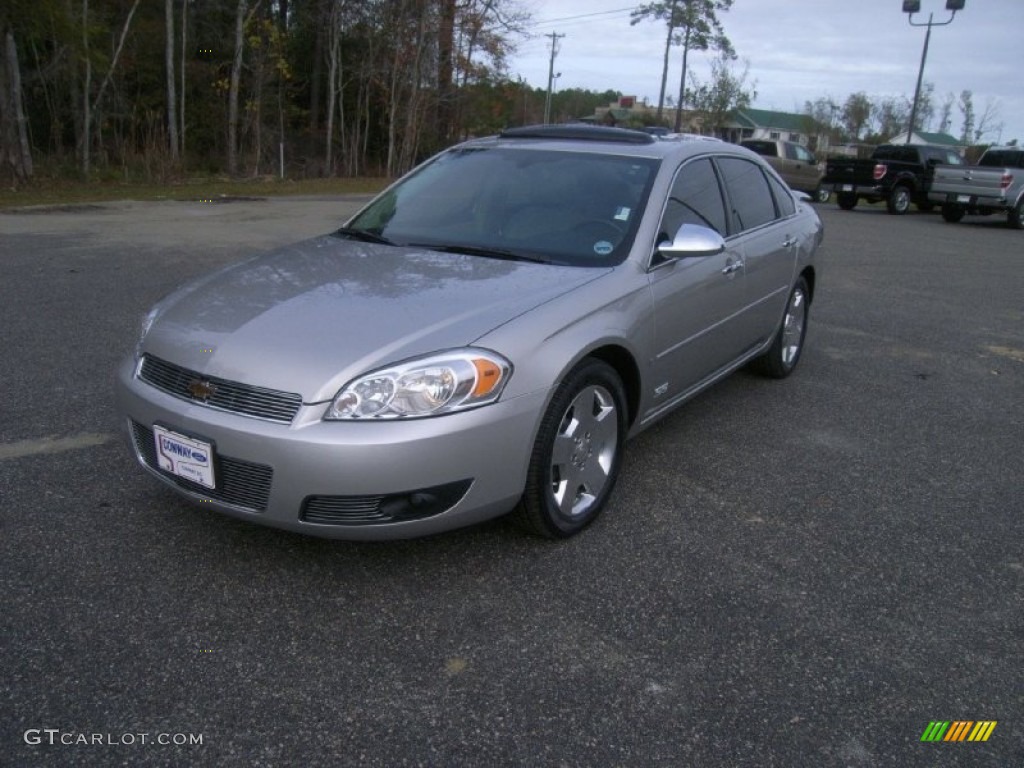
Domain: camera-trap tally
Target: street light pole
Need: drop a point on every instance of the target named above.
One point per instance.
(910, 7)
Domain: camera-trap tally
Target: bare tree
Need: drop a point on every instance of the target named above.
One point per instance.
(15, 151)
(724, 92)
(242, 17)
(967, 110)
(988, 120)
(172, 100)
(89, 110)
(946, 113)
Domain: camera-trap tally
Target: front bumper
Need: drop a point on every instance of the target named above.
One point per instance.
(439, 473)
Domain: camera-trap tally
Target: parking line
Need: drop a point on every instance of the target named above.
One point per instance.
(22, 448)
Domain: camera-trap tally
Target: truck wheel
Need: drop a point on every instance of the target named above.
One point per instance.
(899, 200)
(846, 201)
(1015, 218)
(821, 194)
(952, 212)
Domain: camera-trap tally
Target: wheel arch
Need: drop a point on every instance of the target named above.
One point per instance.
(809, 275)
(622, 360)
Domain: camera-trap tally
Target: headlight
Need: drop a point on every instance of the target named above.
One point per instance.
(428, 386)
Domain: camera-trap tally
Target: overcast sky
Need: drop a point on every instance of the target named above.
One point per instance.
(798, 50)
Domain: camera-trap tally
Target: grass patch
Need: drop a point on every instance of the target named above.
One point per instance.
(61, 192)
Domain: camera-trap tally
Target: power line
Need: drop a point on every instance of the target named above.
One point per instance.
(578, 17)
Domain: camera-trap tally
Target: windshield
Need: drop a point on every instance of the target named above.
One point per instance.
(572, 208)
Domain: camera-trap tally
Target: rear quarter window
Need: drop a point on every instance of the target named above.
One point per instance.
(1003, 159)
(749, 193)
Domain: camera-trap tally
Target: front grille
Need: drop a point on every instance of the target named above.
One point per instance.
(240, 483)
(364, 510)
(225, 395)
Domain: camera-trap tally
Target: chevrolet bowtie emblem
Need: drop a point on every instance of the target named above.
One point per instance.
(201, 389)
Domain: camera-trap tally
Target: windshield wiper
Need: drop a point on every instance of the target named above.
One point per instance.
(362, 234)
(476, 250)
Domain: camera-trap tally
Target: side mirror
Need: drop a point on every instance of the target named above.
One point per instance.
(692, 240)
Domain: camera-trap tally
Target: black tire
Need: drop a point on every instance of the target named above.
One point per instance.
(1015, 216)
(822, 194)
(846, 200)
(899, 200)
(782, 357)
(577, 454)
(952, 212)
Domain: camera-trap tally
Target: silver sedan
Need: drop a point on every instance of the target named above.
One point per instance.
(481, 338)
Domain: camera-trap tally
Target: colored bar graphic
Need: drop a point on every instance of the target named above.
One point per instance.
(982, 730)
(958, 730)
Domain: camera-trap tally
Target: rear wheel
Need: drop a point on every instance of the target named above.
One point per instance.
(846, 200)
(1015, 218)
(952, 212)
(577, 454)
(899, 200)
(821, 194)
(781, 358)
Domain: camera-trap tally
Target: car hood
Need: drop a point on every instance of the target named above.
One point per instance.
(310, 317)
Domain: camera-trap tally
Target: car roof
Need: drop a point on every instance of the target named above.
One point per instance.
(607, 140)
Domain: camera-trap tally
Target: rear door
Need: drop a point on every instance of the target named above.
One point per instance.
(764, 222)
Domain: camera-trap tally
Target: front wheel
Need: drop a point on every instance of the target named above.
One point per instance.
(781, 358)
(952, 212)
(846, 200)
(899, 200)
(577, 454)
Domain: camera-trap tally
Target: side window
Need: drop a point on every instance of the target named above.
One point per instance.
(803, 155)
(791, 152)
(783, 199)
(695, 198)
(747, 187)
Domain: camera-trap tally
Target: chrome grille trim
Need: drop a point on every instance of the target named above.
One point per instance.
(392, 508)
(231, 396)
(339, 510)
(239, 483)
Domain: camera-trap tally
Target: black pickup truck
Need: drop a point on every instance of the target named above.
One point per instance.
(899, 174)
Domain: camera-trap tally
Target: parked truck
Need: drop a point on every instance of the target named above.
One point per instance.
(994, 185)
(796, 164)
(899, 174)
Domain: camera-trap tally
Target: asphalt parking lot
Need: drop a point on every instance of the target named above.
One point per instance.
(795, 573)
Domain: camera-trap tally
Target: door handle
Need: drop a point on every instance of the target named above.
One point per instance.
(789, 241)
(735, 266)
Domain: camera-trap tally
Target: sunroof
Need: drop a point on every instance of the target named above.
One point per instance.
(578, 133)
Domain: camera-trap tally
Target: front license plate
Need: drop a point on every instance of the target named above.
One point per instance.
(184, 456)
(963, 198)
(847, 187)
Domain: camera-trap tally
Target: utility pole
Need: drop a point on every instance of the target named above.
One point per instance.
(551, 74)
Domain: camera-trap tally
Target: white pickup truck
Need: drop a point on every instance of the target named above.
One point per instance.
(995, 184)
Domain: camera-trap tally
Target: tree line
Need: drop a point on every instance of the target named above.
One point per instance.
(874, 120)
(161, 88)
(248, 87)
